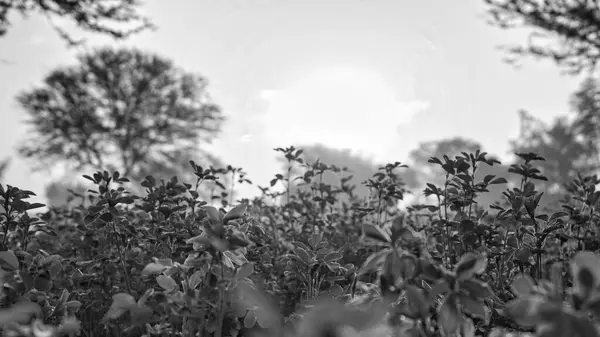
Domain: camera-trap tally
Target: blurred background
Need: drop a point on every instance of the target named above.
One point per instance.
(353, 83)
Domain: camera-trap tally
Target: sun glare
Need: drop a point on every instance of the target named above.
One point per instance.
(338, 107)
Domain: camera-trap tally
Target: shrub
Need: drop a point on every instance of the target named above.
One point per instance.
(306, 258)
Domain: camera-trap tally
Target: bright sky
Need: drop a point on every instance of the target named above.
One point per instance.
(375, 76)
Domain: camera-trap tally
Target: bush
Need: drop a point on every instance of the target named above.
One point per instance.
(308, 259)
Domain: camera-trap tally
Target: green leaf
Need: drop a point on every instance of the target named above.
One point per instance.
(35, 205)
(374, 262)
(42, 284)
(236, 257)
(303, 255)
(73, 306)
(557, 215)
(9, 261)
(376, 233)
(467, 328)
(498, 181)
(266, 313)
(417, 300)
(213, 214)
(470, 264)
(245, 270)
(153, 268)
(523, 254)
(314, 240)
(476, 289)
(526, 310)
(106, 217)
(236, 213)
(122, 303)
(585, 270)
(473, 307)
(331, 257)
(27, 279)
(195, 279)
(69, 326)
(249, 319)
(449, 317)
(336, 290)
(55, 268)
(441, 287)
(166, 282)
(523, 285)
(20, 312)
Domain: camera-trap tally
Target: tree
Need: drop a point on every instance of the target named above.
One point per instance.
(585, 103)
(122, 107)
(3, 166)
(565, 31)
(98, 16)
(559, 144)
(358, 167)
(451, 147)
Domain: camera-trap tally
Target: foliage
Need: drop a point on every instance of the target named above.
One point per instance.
(3, 166)
(569, 145)
(98, 16)
(123, 106)
(314, 261)
(563, 31)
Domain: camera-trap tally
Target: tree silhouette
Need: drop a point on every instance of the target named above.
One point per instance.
(3, 166)
(451, 147)
(559, 144)
(585, 103)
(358, 167)
(98, 16)
(563, 30)
(125, 108)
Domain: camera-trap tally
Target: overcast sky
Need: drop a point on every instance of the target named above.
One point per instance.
(376, 76)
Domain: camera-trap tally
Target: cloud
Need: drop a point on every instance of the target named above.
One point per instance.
(341, 108)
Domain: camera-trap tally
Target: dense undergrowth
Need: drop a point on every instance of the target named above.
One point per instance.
(304, 259)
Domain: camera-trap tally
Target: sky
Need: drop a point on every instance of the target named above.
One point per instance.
(378, 77)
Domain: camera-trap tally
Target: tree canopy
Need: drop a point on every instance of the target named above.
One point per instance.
(564, 31)
(123, 107)
(116, 18)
